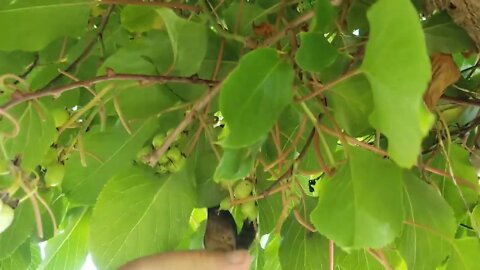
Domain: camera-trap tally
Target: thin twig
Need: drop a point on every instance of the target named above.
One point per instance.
(318, 153)
(381, 259)
(329, 85)
(36, 208)
(292, 25)
(302, 222)
(149, 3)
(285, 153)
(142, 79)
(460, 101)
(16, 125)
(125, 125)
(89, 47)
(153, 158)
(263, 195)
(381, 152)
(331, 255)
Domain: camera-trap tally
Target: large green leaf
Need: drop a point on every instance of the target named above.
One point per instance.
(254, 95)
(138, 214)
(68, 249)
(106, 153)
(362, 204)
(21, 229)
(397, 64)
(444, 36)
(465, 254)
(315, 52)
(301, 249)
(20, 259)
(31, 26)
(37, 133)
(424, 242)
(352, 103)
(188, 39)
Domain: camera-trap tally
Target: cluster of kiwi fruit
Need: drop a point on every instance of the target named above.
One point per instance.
(242, 190)
(170, 162)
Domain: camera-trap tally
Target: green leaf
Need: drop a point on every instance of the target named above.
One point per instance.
(310, 163)
(14, 62)
(424, 242)
(289, 123)
(254, 95)
(270, 259)
(20, 259)
(300, 248)
(268, 208)
(397, 91)
(20, 230)
(362, 204)
(147, 55)
(240, 17)
(315, 52)
(460, 198)
(444, 36)
(465, 255)
(138, 18)
(361, 259)
(68, 249)
(209, 193)
(188, 39)
(108, 153)
(138, 214)
(352, 103)
(356, 17)
(235, 164)
(32, 26)
(37, 133)
(324, 14)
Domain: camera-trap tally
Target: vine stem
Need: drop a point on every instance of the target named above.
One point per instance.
(110, 76)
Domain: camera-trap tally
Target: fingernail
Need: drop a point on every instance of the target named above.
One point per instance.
(237, 257)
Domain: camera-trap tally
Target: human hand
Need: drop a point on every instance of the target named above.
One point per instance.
(198, 260)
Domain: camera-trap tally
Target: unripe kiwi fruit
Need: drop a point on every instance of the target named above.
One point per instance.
(54, 175)
(60, 117)
(6, 216)
(249, 210)
(243, 189)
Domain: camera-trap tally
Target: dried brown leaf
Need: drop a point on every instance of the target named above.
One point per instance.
(444, 73)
